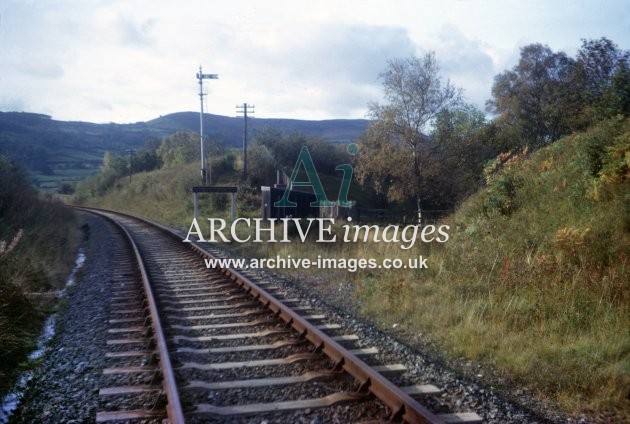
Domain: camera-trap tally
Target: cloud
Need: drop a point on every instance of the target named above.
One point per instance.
(469, 63)
(136, 33)
(330, 69)
(12, 104)
(338, 64)
(353, 53)
(44, 71)
(142, 59)
(462, 54)
(116, 25)
(115, 60)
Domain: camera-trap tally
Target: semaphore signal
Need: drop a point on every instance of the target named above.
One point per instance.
(206, 177)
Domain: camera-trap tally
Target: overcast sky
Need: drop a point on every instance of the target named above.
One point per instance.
(134, 60)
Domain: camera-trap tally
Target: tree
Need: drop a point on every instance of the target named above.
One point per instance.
(116, 165)
(598, 61)
(13, 186)
(602, 72)
(619, 94)
(460, 146)
(66, 188)
(548, 94)
(146, 160)
(383, 164)
(285, 149)
(533, 99)
(391, 156)
(262, 166)
(179, 148)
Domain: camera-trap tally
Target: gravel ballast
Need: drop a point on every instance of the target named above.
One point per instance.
(64, 387)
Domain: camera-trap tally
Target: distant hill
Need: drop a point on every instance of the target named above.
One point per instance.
(55, 151)
(230, 130)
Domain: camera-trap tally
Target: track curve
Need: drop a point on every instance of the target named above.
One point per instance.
(225, 347)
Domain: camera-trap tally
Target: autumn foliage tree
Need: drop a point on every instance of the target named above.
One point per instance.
(426, 146)
(394, 145)
(461, 142)
(531, 99)
(549, 94)
(602, 73)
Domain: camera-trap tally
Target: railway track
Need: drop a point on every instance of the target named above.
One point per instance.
(192, 344)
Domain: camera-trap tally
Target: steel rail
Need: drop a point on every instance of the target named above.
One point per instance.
(402, 406)
(173, 408)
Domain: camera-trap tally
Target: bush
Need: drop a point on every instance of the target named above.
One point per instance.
(501, 195)
(225, 164)
(38, 239)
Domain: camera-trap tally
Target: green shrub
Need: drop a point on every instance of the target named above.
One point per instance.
(38, 240)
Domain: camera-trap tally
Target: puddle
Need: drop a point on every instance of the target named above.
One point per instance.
(78, 263)
(11, 400)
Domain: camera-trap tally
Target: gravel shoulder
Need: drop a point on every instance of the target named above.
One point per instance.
(64, 388)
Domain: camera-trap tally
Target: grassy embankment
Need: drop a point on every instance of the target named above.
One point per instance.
(534, 279)
(39, 237)
(166, 194)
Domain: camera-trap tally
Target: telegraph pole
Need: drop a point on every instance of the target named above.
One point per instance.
(245, 109)
(206, 177)
(131, 152)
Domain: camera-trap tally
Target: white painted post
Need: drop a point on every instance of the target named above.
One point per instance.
(195, 194)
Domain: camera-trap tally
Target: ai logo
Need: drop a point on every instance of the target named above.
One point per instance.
(304, 159)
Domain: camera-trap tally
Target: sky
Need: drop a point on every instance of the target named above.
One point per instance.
(135, 60)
